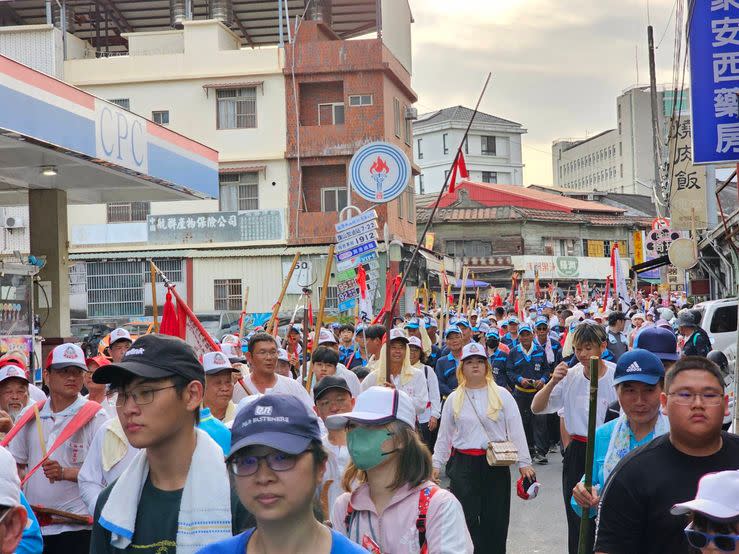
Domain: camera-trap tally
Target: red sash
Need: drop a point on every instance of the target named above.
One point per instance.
(78, 421)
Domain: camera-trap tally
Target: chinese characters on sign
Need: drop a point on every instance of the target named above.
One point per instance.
(714, 69)
(215, 227)
(688, 190)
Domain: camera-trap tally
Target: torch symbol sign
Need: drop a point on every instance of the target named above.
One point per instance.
(379, 171)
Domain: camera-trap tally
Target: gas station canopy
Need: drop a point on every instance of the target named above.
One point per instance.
(55, 136)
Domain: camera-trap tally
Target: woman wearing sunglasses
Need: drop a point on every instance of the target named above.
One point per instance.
(278, 461)
(395, 507)
(714, 513)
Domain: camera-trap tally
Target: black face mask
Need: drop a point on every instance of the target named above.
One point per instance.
(493, 344)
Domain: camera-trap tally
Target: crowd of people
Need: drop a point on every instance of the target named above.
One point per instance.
(341, 441)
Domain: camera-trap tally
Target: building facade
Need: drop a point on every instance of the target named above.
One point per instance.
(619, 159)
(492, 150)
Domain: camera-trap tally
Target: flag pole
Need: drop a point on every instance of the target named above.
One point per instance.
(276, 308)
(154, 307)
(242, 327)
(321, 308)
(589, 450)
(396, 296)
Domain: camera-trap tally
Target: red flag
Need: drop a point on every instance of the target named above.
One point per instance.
(310, 314)
(190, 328)
(362, 281)
(463, 173)
(169, 325)
(453, 179)
(578, 290)
(497, 300)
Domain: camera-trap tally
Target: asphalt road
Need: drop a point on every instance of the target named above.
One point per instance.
(538, 526)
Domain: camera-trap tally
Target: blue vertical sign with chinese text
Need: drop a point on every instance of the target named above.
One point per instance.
(714, 74)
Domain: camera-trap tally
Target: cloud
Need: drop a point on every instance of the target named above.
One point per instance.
(557, 66)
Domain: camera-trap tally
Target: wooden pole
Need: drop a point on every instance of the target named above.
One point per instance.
(276, 309)
(589, 450)
(321, 308)
(463, 290)
(242, 327)
(154, 307)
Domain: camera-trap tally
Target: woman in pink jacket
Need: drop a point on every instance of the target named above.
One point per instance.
(396, 507)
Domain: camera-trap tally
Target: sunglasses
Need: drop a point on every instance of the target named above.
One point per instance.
(699, 539)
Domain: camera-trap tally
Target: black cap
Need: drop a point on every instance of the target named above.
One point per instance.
(155, 357)
(327, 383)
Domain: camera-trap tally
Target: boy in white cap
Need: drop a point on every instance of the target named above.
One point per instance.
(714, 513)
(68, 423)
(120, 342)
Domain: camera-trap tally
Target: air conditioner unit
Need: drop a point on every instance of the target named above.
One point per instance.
(14, 223)
(411, 113)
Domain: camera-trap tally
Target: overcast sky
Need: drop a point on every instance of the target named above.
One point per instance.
(558, 65)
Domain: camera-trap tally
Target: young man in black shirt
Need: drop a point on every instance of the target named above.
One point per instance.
(634, 513)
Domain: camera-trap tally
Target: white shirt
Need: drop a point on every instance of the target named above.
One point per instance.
(92, 478)
(466, 433)
(338, 459)
(572, 396)
(416, 388)
(433, 407)
(283, 385)
(348, 375)
(35, 393)
(26, 449)
(108, 405)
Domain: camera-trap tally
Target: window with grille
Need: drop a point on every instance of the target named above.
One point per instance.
(331, 113)
(360, 100)
(127, 212)
(236, 108)
(239, 191)
(171, 267)
(489, 177)
(124, 103)
(488, 146)
(332, 297)
(115, 288)
(333, 199)
(160, 117)
(227, 294)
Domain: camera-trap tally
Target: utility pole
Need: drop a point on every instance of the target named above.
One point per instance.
(657, 143)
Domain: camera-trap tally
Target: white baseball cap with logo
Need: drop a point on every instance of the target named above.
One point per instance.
(415, 341)
(10, 483)
(216, 362)
(377, 406)
(230, 339)
(282, 355)
(230, 351)
(67, 355)
(326, 337)
(717, 498)
(119, 334)
(9, 371)
(396, 334)
(473, 349)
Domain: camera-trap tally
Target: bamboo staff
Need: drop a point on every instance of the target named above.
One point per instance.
(321, 308)
(242, 327)
(154, 307)
(276, 309)
(40, 432)
(463, 290)
(589, 451)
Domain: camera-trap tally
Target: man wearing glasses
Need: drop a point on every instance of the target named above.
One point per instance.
(178, 477)
(635, 511)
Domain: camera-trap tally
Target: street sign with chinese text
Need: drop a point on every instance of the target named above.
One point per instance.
(356, 251)
(714, 80)
(688, 192)
(353, 242)
(364, 217)
(366, 258)
(358, 230)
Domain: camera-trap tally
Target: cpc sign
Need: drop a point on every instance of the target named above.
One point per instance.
(120, 137)
(379, 172)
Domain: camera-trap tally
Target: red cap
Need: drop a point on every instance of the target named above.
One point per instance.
(100, 360)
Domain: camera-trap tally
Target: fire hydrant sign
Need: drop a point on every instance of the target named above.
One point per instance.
(379, 172)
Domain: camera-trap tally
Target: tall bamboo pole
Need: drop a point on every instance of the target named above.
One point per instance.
(463, 290)
(242, 327)
(322, 307)
(276, 308)
(589, 450)
(154, 307)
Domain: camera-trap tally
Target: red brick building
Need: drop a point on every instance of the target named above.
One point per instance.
(349, 93)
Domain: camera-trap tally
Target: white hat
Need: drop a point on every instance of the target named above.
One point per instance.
(66, 355)
(415, 341)
(473, 349)
(10, 483)
(638, 315)
(230, 339)
(326, 337)
(230, 351)
(377, 406)
(8, 371)
(215, 362)
(282, 355)
(119, 334)
(718, 497)
(398, 334)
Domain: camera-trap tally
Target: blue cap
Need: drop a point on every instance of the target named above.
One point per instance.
(548, 304)
(279, 421)
(412, 324)
(359, 329)
(659, 341)
(541, 320)
(524, 327)
(462, 321)
(513, 321)
(493, 334)
(639, 365)
(503, 323)
(452, 329)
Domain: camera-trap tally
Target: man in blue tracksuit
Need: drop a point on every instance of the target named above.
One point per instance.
(543, 337)
(498, 358)
(446, 366)
(510, 339)
(528, 369)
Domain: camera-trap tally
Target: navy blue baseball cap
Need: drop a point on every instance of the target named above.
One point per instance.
(525, 327)
(279, 421)
(639, 365)
(452, 329)
(542, 320)
(493, 333)
(659, 341)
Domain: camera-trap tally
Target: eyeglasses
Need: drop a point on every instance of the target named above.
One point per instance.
(685, 398)
(140, 397)
(699, 539)
(276, 461)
